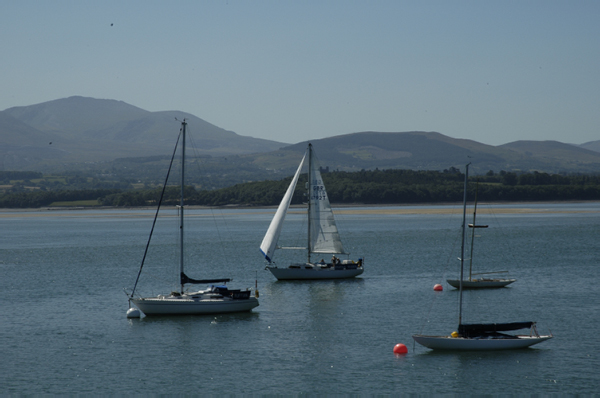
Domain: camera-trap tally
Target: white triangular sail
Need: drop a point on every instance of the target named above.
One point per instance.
(324, 236)
(269, 243)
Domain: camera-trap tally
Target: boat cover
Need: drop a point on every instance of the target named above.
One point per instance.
(186, 279)
(478, 329)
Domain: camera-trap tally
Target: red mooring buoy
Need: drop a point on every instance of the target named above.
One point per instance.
(438, 288)
(400, 349)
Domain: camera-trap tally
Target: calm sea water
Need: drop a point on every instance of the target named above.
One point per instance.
(64, 330)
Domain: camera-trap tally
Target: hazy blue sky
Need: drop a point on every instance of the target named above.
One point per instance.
(491, 71)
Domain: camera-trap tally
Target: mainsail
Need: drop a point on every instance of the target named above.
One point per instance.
(269, 243)
(324, 236)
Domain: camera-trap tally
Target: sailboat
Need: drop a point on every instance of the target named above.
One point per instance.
(323, 236)
(217, 298)
(490, 336)
(482, 282)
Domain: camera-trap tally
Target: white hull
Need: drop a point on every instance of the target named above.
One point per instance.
(215, 300)
(480, 337)
(168, 305)
(322, 235)
(480, 283)
(464, 344)
(314, 272)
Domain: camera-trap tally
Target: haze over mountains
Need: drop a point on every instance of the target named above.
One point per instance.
(79, 129)
(67, 134)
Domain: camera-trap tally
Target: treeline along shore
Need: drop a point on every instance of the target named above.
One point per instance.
(364, 187)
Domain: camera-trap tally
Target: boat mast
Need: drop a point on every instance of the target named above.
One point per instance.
(183, 126)
(473, 232)
(310, 193)
(462, 246)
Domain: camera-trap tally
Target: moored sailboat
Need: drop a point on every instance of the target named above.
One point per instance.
(489, 336)
(217, 298)
(323, 235)
(480, 282)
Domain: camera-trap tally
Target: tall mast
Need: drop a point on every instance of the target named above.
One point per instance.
(183, 126)
(473, 232)
(310, 193)
(462, 246)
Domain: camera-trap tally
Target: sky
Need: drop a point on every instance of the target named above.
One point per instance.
(490, 71)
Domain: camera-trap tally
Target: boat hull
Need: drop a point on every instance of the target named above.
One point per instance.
(466, 344)
(480, 283)
(312, 273)
(181, 306)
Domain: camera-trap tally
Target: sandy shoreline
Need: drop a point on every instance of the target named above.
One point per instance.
(359, 209)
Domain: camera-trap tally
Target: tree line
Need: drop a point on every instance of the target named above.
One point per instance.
(364, 187)
(38, 198)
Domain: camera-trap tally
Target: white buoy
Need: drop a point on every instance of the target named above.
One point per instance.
(133, 313)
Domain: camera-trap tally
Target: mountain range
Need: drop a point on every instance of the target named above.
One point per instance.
(76, 132)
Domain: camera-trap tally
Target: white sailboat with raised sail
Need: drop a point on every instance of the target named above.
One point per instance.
(488, 336)
(480, 281)
(216, 299)
(323, 236)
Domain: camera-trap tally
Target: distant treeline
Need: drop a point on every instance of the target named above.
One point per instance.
(19, 175)
(364, 187)
(408, 186)
(37, 199)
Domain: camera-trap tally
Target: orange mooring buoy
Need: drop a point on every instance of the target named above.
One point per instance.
(438, 288)
(400, 349)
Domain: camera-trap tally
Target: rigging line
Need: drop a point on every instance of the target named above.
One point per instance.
(162, 194)
(198, 160)
(428, 314)
(451, 253)
(229, 236)
(300, 236)
(507, 237)
(194, 147)
(501, 230)
(302, 209)
(214, 217)
(508, 255)
(449, 219)
(435, 298)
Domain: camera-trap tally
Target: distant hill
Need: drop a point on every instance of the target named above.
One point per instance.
(79, 129)
(433, 151)
(21, 145)
(554, 155)
(101, 136)
(592, 145)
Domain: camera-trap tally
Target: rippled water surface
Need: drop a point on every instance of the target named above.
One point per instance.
(64, 329)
